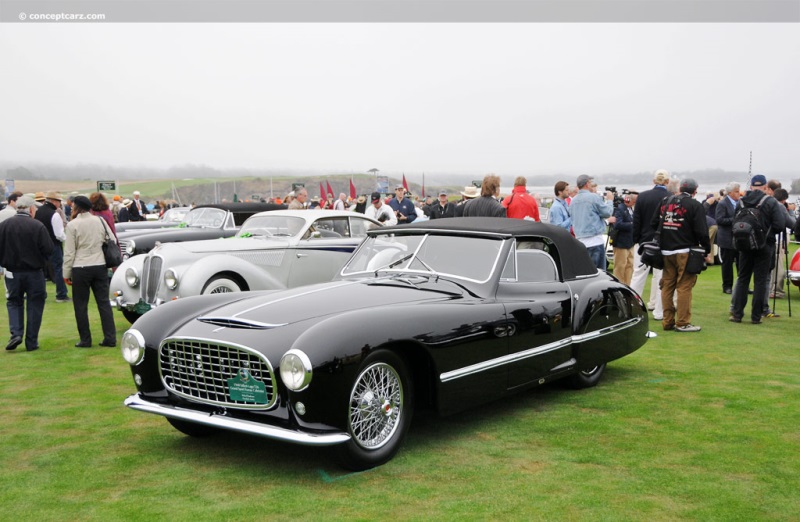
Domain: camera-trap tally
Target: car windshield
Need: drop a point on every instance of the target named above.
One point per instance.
(205, 217)
(269, 226)
(174, 215)
(471, 258)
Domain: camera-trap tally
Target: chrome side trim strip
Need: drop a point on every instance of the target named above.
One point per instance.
(137, 402)
(532, 352)
(506, 359)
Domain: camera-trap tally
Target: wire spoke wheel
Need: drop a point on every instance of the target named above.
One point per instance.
(376, 406)
(379, 411)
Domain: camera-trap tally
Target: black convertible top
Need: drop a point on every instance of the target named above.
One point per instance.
(575, 260)
(244, 207)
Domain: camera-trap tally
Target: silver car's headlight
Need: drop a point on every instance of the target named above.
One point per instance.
(171, 279)
(132, 277)
(133, 347)
(130, 247)
(295, 370)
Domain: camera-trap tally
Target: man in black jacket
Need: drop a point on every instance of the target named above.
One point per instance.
(49, 216)
(647, 204)
(442, 208)
(684, 227)
(726, 210)
(25, 247)
(756, 263)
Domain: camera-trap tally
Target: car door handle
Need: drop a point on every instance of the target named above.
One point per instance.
(302, 255)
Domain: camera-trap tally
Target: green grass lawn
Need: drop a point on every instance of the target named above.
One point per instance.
(695, 426)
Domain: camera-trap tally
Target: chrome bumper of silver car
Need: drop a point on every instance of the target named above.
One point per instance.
(137, 402)
(793, 276)
(120, 304)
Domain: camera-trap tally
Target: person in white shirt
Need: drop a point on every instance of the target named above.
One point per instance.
(380, 211)
(340, 203)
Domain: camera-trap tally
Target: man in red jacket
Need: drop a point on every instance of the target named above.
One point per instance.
(520, 204)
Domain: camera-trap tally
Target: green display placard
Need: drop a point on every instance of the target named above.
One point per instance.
(106, 186)
(244, 388)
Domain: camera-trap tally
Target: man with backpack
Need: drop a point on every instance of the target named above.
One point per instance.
(754, 227)
(680, 226)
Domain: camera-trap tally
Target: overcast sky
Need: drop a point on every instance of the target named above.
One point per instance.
(461, 98)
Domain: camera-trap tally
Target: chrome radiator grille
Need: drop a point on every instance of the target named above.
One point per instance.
(151, 277)
(200, 369)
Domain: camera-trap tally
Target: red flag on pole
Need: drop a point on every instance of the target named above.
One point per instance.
(423, 185)
(330, 190)
(322, 196)
(352, 189)
(405, 183)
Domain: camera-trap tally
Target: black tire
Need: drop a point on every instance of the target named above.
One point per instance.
(192, 429)
(586, 378)
(130, 315)
(379, 411)
(221, 285)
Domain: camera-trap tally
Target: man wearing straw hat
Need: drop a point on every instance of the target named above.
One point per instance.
(48, 215)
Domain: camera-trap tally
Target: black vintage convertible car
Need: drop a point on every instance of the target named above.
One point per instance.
(445, 315)
(202, 222)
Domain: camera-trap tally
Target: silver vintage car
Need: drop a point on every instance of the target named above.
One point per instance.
(273, 250)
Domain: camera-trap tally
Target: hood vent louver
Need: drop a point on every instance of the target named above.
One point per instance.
(232, 322)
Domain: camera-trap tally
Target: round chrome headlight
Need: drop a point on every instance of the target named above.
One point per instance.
(133, 347)
(130, 247)
(295, 370)
(171, 279)
(132, 277)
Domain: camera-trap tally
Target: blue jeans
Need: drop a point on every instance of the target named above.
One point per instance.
(598, 255)
(32, 284)
(57, 258)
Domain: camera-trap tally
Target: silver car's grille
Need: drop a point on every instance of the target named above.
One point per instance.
(123, 245)
(199, 369)
(151, 277)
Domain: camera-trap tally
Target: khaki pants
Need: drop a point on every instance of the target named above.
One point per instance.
(674, 278)
(623, 264)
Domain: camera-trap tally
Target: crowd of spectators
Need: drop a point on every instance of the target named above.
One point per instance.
(38, 241)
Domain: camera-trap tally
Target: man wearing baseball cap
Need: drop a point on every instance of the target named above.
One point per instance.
(442, 208)
(380, 211)
(757, 263)
(403, 208)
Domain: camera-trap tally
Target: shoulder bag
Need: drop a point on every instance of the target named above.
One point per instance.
(110, 249)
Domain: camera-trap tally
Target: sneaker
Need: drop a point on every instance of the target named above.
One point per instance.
(779, 295)
(658, 317)
(669, 327)
(63, 299)
(756, 321)
(734, 319)
(727, 290)
(687, 328)
(770, 315)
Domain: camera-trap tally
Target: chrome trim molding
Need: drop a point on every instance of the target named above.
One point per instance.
(231, 322)
(506, 359)
(137, 402)
(518, 356)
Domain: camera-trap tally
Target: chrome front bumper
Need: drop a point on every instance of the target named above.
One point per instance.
(137, 402)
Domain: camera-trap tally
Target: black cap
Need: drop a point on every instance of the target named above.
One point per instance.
(83, 202)
(375, 197)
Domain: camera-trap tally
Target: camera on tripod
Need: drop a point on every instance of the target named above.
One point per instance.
(618, 199)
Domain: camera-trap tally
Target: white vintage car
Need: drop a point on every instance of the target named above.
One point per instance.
(273, 250)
